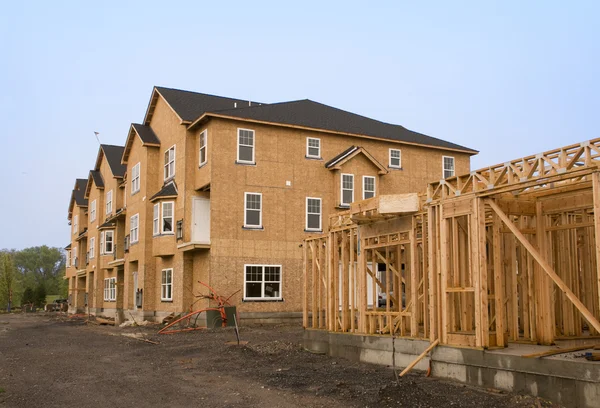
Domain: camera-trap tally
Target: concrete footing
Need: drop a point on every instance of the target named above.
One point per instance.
(569, 382)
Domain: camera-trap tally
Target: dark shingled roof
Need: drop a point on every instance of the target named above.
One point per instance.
(316, 115)
(79, 192)
(113, 155)
(97, 177)
(168, 190)
(340, 156)
(191, 105)
(146, 134)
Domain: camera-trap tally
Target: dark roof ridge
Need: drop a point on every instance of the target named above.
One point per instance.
(258, 106)
(203, 93)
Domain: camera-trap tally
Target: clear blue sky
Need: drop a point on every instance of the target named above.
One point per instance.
(508, 78)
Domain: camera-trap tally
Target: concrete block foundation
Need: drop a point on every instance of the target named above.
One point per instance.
(569, 382)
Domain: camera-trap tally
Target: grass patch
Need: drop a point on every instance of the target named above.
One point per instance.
(2, 390)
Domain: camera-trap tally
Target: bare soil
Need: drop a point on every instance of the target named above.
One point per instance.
(50, 360)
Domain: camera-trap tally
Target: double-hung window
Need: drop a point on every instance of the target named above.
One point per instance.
(313, 214)
(68, 260)
(109, 241)
(166, 293)
(135, 178)
(395, 159)
(313, 148)
(253, 210)
(170, 163)
(368, 187)
(92, 248)
(262, 282)
(93, 211)
(156, 220)
(101, 242)
(75, 224)
(134, 228)
(245, 151)
(203, 143)
(74, 257)
(347, 189)
(167, 217)
(110, 289)
(448, 166)
(109, 201)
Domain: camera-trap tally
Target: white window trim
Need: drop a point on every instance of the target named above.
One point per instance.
(205, 147)
(74, 257)
(156, 219)
(67, 258)
(75, 224)
(166, 165)
(374, 186)
(444, 167)
(135, 187)
(110, 289)
(280, 297)
(93, 211)
(137, 228)
(260, 217)
(163, 285)
(101, 242)
(253, 147)
(393, 166)
(110, 193)
(162, 218)
(342, 204)
(318, 156)
(320, 214)
(112, 241)
(92, 246)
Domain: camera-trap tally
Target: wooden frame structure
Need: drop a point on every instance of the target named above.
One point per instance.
(504, 253)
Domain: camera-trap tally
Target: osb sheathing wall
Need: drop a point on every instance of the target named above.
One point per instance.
(280, 157)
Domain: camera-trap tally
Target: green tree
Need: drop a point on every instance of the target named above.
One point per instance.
(8, 280)
(40, 295)
(28, 296)
(42, 265)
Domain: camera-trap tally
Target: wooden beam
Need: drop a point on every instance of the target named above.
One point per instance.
(558, 351)
(545, 266)
(596, 193)
(421, 356)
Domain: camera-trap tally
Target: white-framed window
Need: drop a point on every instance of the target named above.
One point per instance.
(92, 249)
(75, 224)
(368, 187)
(74, 257)
(134, 228)
(448, 166)
(156, 220)
(395, 159)
(245, 150)
(170, 163)
(203, 143)
(253, 210)
(313, 214)
(109, 237)
(68, 258)
(313, 147)
(93, 211)
(347, 189)
(110, 289)
(167, 217)
(135, 178)
(262, 282)
(166, 292)
(101, 242)
(109, 201)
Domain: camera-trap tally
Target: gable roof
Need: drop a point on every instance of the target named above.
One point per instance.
(78, 195)
(94, 177)
(191, 105)
(168, 190)
(113, 156)
(314, 115)
(351, 152)
(146, 135)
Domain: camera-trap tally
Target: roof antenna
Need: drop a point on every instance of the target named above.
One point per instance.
(97, 138)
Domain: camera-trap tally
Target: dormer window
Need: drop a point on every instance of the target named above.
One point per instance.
(313, 148)
(170, 163)
(347, 193)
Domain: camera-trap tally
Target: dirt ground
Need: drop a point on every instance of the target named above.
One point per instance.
(50, 360)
